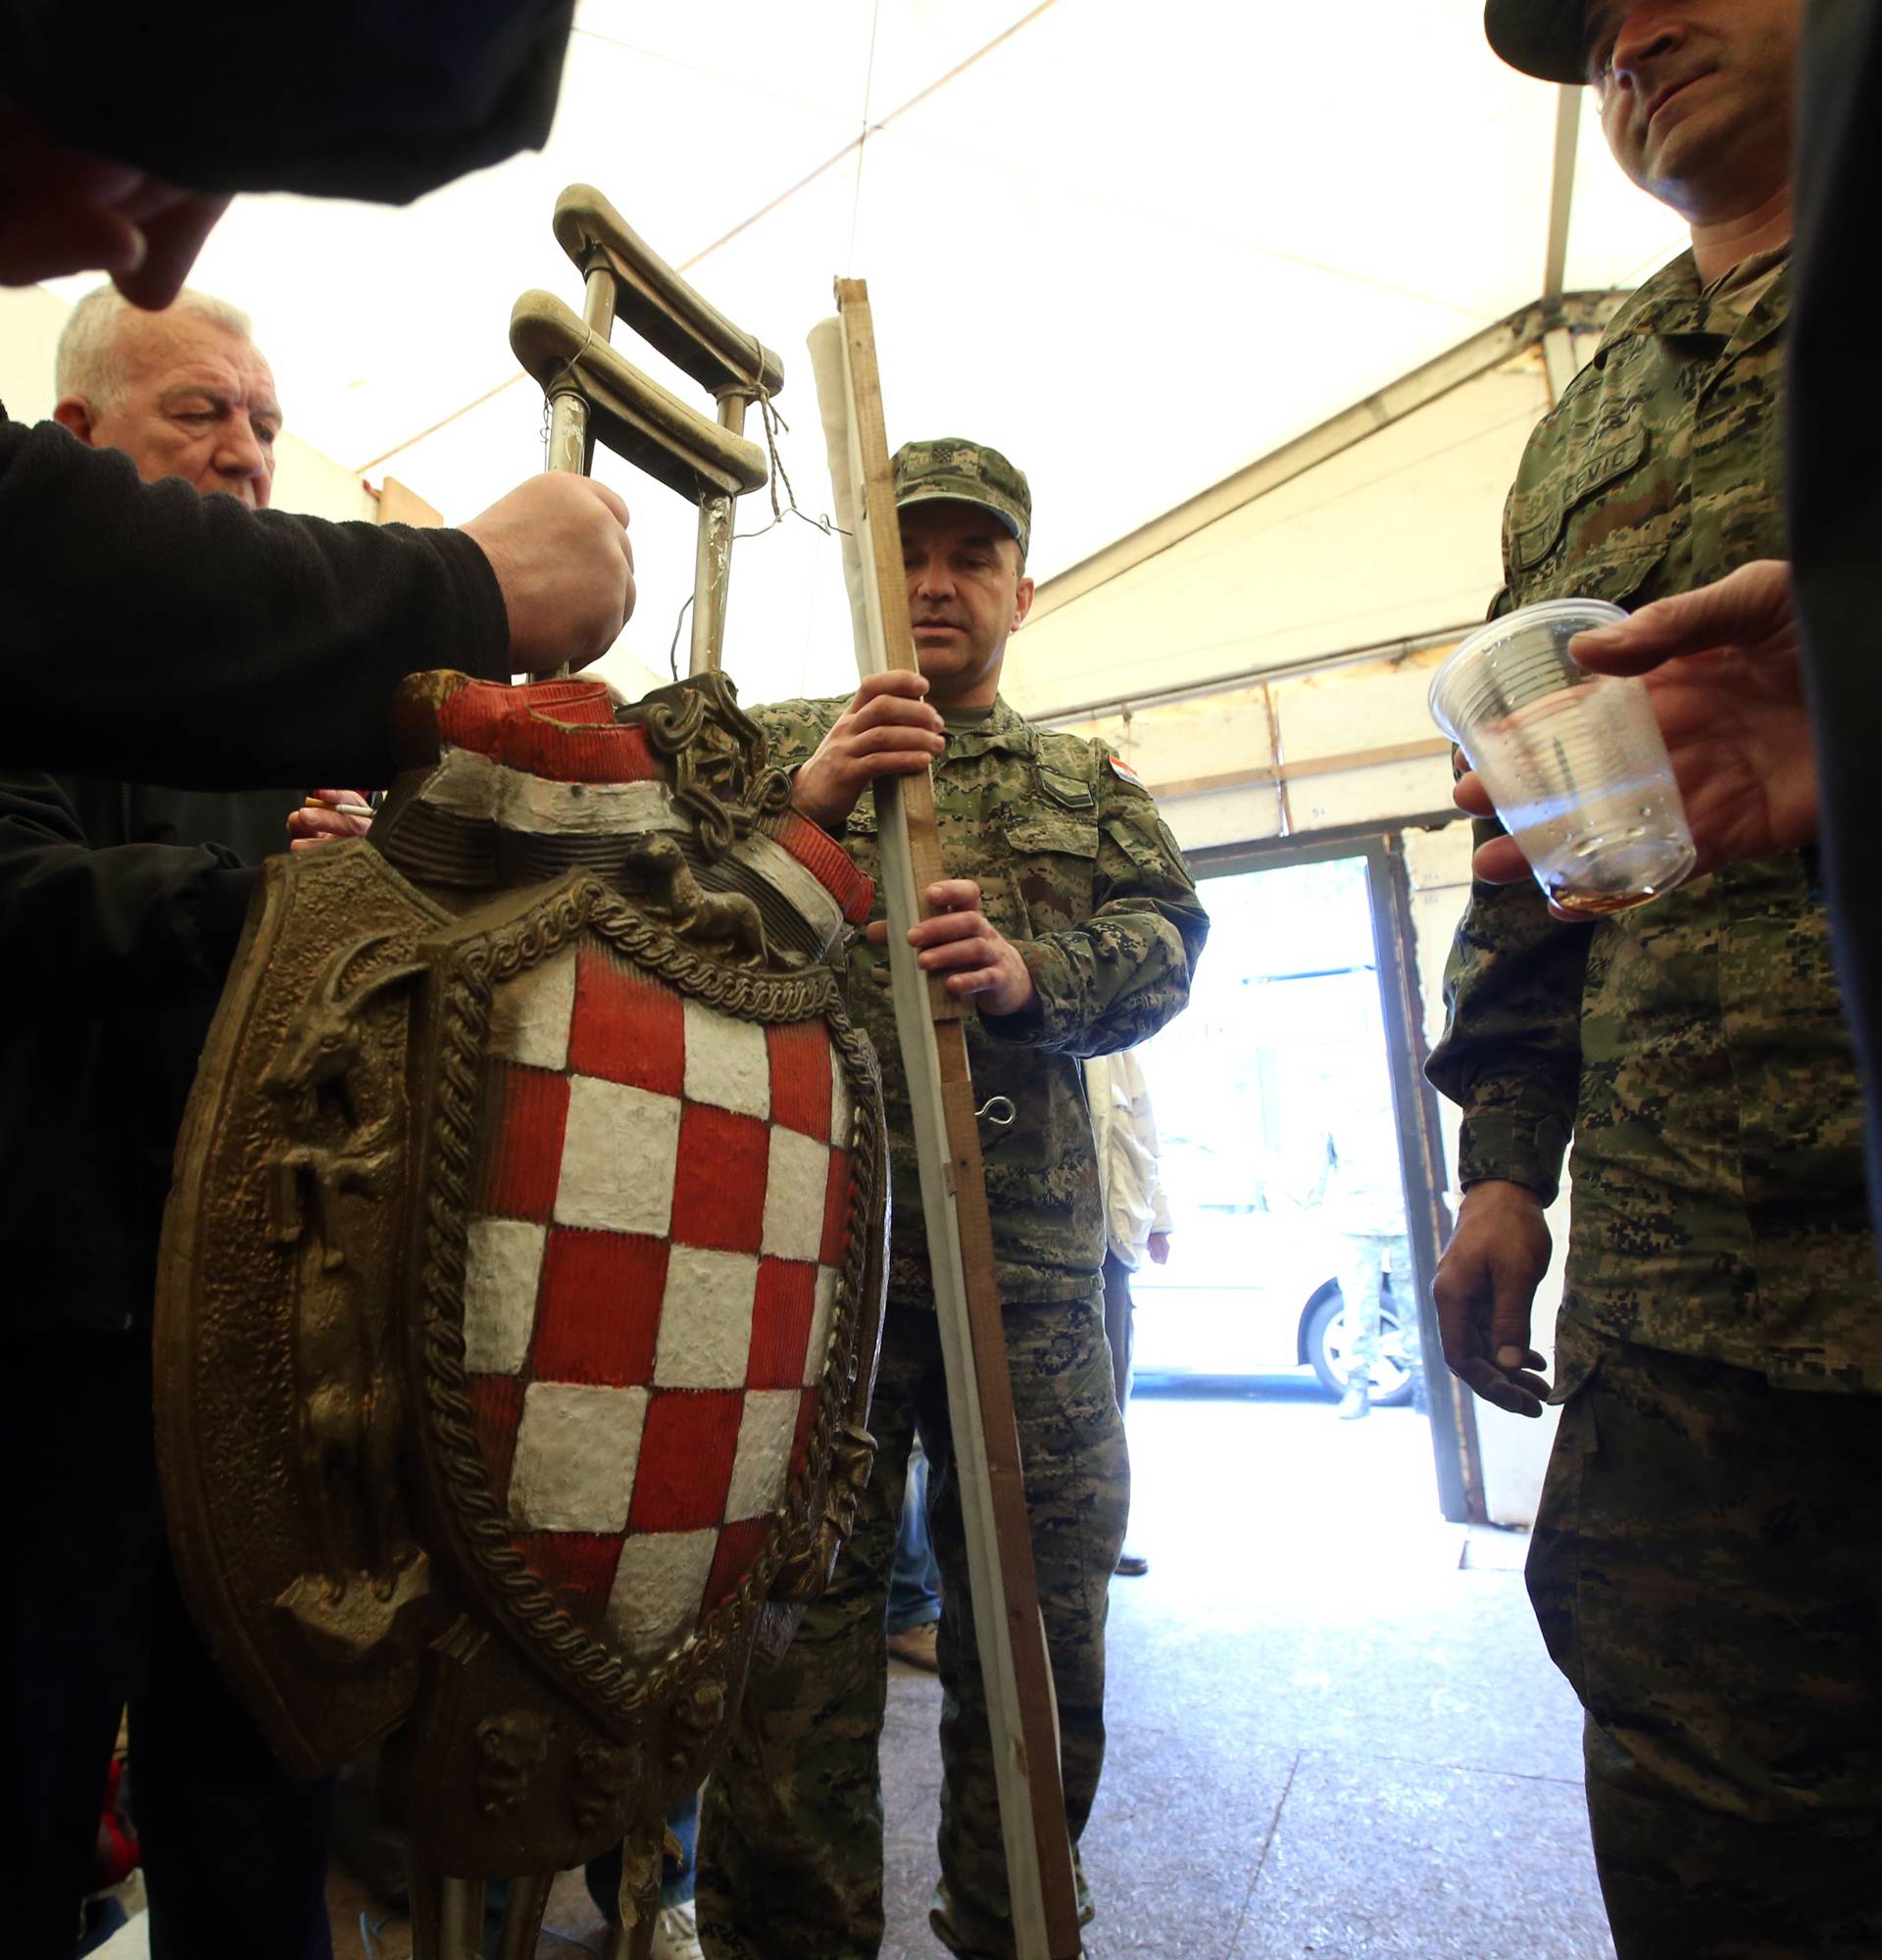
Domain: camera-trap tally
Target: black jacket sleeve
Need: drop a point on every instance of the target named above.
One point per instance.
(1833, 416)
(99, 930)
(153, 634)
(382, 99)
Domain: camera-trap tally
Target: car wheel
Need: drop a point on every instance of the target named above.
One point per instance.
(1329, 1346)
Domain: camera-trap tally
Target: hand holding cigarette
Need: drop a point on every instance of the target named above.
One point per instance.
(328, 814)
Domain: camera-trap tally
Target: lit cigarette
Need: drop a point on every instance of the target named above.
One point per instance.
(344, 808)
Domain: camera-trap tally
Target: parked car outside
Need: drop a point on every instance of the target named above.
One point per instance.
(1253, 1293)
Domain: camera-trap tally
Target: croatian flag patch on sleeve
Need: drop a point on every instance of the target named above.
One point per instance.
(1120, 767)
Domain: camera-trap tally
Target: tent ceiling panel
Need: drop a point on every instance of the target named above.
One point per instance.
(1339, 556)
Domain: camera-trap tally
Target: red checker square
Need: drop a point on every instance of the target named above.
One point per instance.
(733, 1557)
(782, 1313)
(837, 1200)
(806, 1422)
(523, 1142)
(801, 1076)
(496, 1410)
(576, 1567)
(685, 1465)
(627, 1027)
(598, 1309)
(719, 1193)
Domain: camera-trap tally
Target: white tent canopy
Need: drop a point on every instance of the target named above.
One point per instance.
(1135, 247)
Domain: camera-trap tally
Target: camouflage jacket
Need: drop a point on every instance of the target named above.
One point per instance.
(1696, 1048)
(1077, 868)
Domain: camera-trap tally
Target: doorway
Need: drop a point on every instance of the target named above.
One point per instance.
(1295, 1133)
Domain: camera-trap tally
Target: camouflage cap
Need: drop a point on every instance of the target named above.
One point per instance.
(1546, 38)
(965, 472)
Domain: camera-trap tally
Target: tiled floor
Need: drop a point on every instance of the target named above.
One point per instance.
(1329, 1738)
(1333, 1735)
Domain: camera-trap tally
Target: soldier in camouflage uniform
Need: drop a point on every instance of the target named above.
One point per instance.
(1068, 919)
(1705, 1564)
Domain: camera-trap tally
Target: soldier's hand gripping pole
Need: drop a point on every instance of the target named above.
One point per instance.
(1014, 1662)
(596, 395)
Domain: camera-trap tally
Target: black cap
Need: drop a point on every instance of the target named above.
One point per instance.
(1546, 38)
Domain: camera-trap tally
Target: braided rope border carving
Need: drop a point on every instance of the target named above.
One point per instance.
(597, 1673)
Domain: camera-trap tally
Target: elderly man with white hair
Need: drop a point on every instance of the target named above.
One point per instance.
(182, 393)
(120, 906)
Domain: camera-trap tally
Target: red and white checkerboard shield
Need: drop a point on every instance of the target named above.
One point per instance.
(654, 1252)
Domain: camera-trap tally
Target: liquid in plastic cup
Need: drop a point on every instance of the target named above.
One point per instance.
(1573, 760)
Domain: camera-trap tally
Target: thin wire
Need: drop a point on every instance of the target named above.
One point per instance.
(757, 216)
(825, 525)
(556, 381)
(773, 419)
(673, 652)
(862, 142)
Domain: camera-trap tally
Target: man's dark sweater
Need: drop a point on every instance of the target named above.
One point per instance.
(121, 908)
(154, 634)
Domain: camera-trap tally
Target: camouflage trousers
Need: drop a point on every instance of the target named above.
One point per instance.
(791, 1853)
(1363, 1265)
(1707, 1569)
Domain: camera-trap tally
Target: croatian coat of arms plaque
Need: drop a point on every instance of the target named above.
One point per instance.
(523, 1284)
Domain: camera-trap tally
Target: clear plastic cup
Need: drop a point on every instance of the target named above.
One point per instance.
(1573, 760)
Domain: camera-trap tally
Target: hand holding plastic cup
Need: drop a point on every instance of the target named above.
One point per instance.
(1573, 760)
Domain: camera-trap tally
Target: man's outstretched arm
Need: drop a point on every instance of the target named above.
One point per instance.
(155, 635)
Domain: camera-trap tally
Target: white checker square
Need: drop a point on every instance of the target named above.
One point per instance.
(796, 1185)
(841, 1108)
(619, 1148)
(658, 1587)
(822, 1314)
(705, 1337)
(577, 1449)
(529, 1016)
(727, 1062)
(765, 1432)
(502, 1268)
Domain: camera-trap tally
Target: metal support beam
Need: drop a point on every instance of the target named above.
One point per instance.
(1308, 663)
(1561, 191)
(1417, 390)
(1560, 360)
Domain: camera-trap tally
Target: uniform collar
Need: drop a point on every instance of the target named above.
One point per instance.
(1003, 730)
(1673, 303)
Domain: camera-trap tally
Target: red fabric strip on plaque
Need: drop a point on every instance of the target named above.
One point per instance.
(827, 862)
(563, 731)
